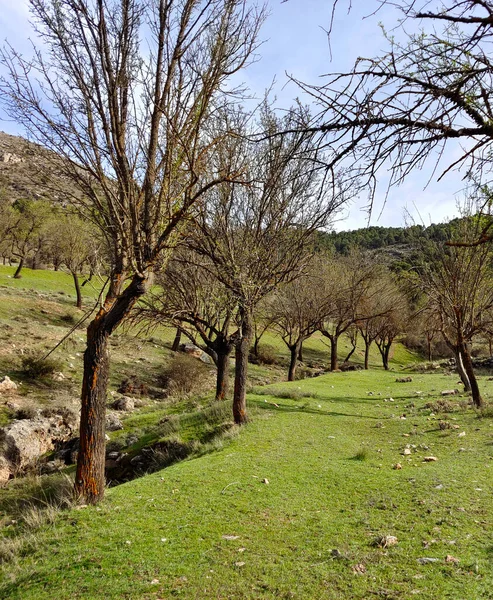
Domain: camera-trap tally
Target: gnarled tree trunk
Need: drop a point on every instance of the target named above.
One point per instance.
(89, 478)
(223, 351)
(177, 340)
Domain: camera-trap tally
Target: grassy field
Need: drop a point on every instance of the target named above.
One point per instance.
(300, 503)
(212, 527)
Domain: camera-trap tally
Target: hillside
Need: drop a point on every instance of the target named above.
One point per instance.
(29, 171)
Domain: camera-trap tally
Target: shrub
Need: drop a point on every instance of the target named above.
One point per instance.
(34, 367)
(266, 354)
(184, 375)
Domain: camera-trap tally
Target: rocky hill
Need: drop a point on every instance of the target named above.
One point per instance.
(27, 170)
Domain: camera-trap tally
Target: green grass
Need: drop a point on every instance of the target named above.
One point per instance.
(210, 527)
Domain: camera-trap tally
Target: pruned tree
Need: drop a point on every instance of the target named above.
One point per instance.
(296, 311)
(375, 305)
(188, 297)
(458, 284)
(391, 324)
(127, 93)
(258, 234)
(347, 282)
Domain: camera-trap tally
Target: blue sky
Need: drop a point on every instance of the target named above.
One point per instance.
(295, 42)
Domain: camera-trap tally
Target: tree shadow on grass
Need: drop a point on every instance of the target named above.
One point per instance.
(278, 406)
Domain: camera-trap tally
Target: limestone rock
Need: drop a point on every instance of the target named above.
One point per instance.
(6, 385)
(125, 404)
(24, 441)
(113, 422)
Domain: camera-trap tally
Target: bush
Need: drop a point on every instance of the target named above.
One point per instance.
(266, 355)
(184, 375)
(34, 367)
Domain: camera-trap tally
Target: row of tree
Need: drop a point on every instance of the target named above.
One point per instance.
(137, 98)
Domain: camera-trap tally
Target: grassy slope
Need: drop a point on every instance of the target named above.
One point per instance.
(163, 535)
(319, 496)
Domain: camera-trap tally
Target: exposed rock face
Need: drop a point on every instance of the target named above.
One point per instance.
(10, 157)
(24, 441)
(6, 384)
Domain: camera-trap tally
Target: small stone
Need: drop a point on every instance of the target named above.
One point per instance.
(359, 569)
(450, 392)
(230, 537)
(426, 560)
(407, 451)
(430, 459)
(240, 563)
(266, 481)
(451, 559)
(462, 434)
(397, 466)
(385, 541)
(154, 581)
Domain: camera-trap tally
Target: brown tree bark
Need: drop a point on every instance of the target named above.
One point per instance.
(469, 369)
(333, 352)
(459, 363)
(300, 352)
(177, 340)
(222, 377)
(241, 369)
(17, 274)
(367, 354)
(89, 478)
(294, 353)
(78, 292)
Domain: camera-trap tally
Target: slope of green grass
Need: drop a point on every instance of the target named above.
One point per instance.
(292, 507)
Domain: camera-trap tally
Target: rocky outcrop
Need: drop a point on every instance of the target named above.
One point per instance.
(24, 441)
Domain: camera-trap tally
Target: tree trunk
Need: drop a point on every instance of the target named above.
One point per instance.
(17, 274)
(333, 352)
(222, 377)
(385, 356)
(78, 292)
(351, 352)
(177, 340)
(476, 394)
(300, 352)
(294, 352)
(461, 371)
(89, 478)
(367, 354)
(241, 369)
(428, 340)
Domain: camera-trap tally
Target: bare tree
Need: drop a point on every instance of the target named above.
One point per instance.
(194, 301)
(391, 324)
(428, 91)
(296, 311)
(458, 284)
(347, 282)
(259, 234)
(126, 92)
(375, 305)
